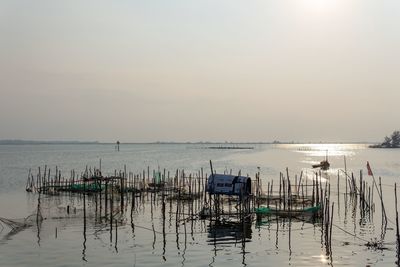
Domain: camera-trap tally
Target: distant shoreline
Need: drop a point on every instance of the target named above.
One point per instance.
(220, 144)
(31, 142)
(230, 147)
(383, 147)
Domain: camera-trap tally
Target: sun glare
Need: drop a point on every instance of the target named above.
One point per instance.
(319, 7)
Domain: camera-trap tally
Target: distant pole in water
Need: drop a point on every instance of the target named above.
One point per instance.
(211, 166)
(117, 147)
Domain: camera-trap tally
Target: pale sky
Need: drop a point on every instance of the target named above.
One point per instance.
(142, 71)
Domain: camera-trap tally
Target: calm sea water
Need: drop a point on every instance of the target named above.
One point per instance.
(61, 241)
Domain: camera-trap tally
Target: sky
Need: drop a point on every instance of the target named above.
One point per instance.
(179, 70)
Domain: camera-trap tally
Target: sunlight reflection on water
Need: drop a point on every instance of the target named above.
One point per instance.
(321, 150)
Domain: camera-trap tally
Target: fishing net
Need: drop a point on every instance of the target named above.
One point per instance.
(18, 224)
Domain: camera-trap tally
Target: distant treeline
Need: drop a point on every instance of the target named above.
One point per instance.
(390, 142)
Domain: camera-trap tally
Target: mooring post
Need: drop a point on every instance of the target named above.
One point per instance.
(397, 226)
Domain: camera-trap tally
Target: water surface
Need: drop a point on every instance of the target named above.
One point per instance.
(62, 241)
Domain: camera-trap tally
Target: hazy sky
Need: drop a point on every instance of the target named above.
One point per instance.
(302, 70)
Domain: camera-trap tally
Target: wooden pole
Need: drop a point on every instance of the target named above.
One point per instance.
(397, 226)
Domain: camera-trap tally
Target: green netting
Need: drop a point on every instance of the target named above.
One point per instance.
(87, 187)
(266, 210)
(157, 178)
(262, 210)
(312, 209)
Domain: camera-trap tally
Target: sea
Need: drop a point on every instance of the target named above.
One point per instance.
(146, 239)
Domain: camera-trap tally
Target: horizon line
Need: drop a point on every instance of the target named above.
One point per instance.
(27, 141)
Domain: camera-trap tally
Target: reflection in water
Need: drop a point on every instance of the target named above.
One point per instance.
(229, 233)
(84, 229)
(185, 246)
(18, 225)
(116, 236)
(39, 219)
(163, 231)
(10, 234)
(214, 256)
(154, 236)
(290, 238)
(84, 245)
(319, 150)
(322, 258)
(177, 239)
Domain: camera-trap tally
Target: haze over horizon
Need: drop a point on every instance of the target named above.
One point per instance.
(143, 71)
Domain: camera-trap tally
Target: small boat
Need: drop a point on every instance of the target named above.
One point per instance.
(324, 165)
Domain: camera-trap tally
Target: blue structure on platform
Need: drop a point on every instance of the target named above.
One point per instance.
(231, 185)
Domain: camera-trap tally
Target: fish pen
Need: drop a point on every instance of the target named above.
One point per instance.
(225, 205)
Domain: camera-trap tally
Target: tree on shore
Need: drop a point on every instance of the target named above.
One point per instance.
(391, 142)
(396, 139)
(387, 142)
